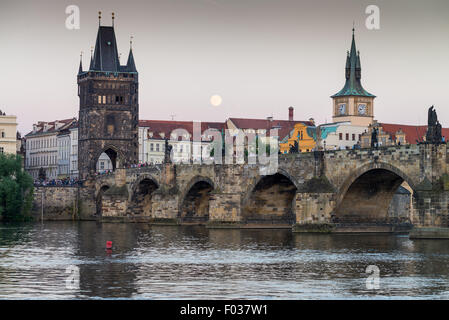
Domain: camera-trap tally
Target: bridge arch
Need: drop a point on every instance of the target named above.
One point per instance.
(365, 196)
(194, 200)
(141, 196)
(270, 200)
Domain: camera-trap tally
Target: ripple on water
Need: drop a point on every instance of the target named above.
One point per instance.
(198, 263)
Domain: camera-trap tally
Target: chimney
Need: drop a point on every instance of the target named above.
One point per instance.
(290, 114)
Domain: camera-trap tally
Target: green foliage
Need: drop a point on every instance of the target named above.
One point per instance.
(16, 189)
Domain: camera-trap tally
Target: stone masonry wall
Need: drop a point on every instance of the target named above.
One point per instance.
(56, 203)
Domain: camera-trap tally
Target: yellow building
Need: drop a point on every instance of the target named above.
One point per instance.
(304, 135)
(8, 133)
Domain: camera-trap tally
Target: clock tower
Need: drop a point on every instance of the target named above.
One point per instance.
(353, 103)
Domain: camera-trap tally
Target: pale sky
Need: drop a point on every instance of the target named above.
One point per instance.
(260, 56)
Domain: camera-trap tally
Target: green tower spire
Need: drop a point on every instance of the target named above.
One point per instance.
(353, 86)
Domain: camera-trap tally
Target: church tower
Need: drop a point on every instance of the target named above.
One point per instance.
(353, 103)
(109, 106)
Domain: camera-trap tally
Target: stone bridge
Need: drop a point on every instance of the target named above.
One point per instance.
(347, 190)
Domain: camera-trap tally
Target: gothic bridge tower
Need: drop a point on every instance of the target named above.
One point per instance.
(109, 106)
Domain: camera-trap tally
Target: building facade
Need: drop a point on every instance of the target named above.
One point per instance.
(340, 136)
(74, 150)
(42, 148)
(8, 133)
(303, 135)
(63, 142)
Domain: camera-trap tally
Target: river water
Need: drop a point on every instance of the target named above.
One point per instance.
(44, 261)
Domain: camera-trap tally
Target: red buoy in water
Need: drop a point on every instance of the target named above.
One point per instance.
(108, 244)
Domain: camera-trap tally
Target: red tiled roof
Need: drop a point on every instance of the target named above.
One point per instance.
(412, 133)
(51, 126)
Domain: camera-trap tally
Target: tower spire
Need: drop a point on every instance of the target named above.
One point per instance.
(131, 65)
(91, 66)
(80, 70)
(353, 86)
(99, 18)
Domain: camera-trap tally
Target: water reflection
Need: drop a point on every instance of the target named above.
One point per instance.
(198, 263)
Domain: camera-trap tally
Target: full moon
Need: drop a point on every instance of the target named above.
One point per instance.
(216, 100)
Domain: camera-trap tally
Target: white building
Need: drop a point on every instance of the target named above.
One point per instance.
(340, 135)
(42, 148)
(180, 138)
(63, 142)
(8, 133)
(104, 163)
(74, 151)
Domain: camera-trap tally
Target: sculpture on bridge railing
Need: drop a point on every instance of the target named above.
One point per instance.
(374, 140)
(433, 134)
(294, 148)
(167, 158)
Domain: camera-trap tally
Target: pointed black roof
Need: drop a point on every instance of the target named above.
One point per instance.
(353, 85)
(105, 57)
(106, 53)
(80, 69)
(91, 65)
(130, 65)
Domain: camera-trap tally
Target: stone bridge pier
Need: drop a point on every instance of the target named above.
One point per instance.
(332, 191)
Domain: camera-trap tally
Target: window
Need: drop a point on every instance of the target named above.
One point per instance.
(2, 150)
(104, 99)
(340, 136)
(110, 124)
(151, 147)
(3, 134)
(347, 136)
(157, 146)
(353, 137)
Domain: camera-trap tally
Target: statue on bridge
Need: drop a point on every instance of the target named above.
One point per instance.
(294, 148)
(374, 140)
(433, 134)
(167, 153)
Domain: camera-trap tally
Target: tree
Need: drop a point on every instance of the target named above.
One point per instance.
(16, 189)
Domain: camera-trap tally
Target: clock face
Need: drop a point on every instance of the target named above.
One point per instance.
(362, 109)
(342, 108)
